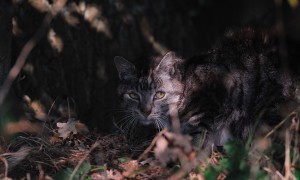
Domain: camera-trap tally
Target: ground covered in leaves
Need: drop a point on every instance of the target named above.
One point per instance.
(68, 150)
(43, 146)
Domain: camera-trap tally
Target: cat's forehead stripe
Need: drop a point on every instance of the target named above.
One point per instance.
(145, 82)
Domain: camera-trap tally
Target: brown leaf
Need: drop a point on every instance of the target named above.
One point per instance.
(164, 153)
(55, 139)
(22, 126)
(71, 127)
(65, 129)
(55, 41)
(40, 5)
(172, 146)
(81, 128)
(114, 174)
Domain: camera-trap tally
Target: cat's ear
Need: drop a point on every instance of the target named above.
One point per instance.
(167, 63)
(125, 68)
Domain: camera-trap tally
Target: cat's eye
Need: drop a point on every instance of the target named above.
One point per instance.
(133, 95)
(159, 95)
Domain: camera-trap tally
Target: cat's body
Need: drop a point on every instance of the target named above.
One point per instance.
(225, 91)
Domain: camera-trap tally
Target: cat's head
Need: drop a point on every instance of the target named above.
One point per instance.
(147, 92)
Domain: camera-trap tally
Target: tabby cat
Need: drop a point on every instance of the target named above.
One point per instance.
(224, 91)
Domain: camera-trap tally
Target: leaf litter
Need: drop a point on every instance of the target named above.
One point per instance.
(70, 150)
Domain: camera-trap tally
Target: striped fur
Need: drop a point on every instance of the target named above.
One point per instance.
(225, 91)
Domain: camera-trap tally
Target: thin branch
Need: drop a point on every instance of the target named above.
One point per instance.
(287, 161)
(142, 156)
(6, 166)
(280, 124)
(296, 124)
(96, 144)
(15, 70)
(151, 145)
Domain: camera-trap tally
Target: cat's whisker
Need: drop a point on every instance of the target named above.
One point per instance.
(122, 111)
(123, 120)
(157, 124)
(162, 124)
(164, 121)
(131, 127)
(127, 123)
(131, 123)
(116, 111)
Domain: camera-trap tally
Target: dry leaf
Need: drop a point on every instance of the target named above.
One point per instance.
(55, 41)
(40, 5)
(14, 158)
(114, 174)
(171, 146)
(22, 126)
(81, 128)
(71, 127)
(55, 139)
(164, 153)
(65, 129)
(39, 110)
(70, 19)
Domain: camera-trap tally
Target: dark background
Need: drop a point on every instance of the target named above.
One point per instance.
(83, 68)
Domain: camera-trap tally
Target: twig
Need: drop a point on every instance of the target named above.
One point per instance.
(6, 166)
(175, 118)
(280, 124)
(151, 145)
(287, 161)
(130, 171)
(280, 175)
(41, 172)
(96, 144)
(296, 141)
(15, 70)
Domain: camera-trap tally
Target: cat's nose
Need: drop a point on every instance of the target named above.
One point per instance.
(146, 109)
(146, 113)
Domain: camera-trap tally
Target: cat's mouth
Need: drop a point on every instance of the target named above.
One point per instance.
(147, 122)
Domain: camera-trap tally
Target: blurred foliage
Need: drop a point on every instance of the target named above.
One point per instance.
(293, 3)
(237, 163)
(81, 173)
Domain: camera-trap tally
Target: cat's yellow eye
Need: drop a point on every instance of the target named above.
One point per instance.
(133, 95)
(159, 95)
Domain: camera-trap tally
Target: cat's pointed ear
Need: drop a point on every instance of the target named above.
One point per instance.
(125, 68)
(167, 63)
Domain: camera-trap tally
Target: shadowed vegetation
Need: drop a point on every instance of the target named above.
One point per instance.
(59, 86)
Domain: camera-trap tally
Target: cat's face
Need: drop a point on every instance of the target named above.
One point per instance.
(146, 94)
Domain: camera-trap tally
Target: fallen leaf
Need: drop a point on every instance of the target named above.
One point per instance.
(55, 139)
(114, 174)
(23, 126)
(81, 128)
(65, 129)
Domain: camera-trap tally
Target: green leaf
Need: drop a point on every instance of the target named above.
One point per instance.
(209, 176)
(212, 173)
(98, 168)
(225, 163)
(238, 175)
(261, 175)
(84, 169)
(88, 178)
(122, 159)
(244, 165)
(297, 173)
(81, 172)
(64, 174)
